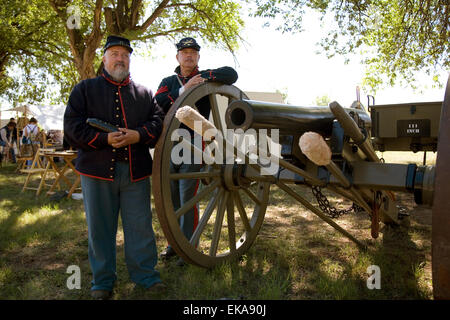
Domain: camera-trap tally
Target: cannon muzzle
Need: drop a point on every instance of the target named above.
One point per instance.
(289, 119)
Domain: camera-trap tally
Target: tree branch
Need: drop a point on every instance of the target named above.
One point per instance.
(153, 16)
(168, 32)
(135, 6)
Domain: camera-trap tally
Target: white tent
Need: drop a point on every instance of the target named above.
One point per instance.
(25, 109)
(48, 117)
(3, 122)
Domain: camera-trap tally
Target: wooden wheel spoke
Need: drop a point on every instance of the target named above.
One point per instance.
(205, 217)
(198, 153)
(215, 113)
(231, 224)
(218, 225)
(252, 196)
(208, 245)
(203, 193)
(241, 210)
(194, 175)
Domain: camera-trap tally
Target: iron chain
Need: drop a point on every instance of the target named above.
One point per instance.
(326, 207)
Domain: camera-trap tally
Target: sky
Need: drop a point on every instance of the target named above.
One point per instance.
(271, 61)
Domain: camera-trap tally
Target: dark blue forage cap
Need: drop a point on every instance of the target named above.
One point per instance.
(188, 43)
(117, 41)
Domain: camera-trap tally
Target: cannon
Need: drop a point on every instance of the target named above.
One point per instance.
(234, 192)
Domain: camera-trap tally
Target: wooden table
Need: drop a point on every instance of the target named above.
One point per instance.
(61, 173)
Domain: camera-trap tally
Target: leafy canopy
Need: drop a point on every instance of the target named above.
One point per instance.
(47, 46)
(397, 38)
(31, 45)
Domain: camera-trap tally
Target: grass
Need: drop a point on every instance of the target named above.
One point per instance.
(295, 256)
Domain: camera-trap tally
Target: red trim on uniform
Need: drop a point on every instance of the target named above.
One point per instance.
(95, 177)
(161, 90)
(151, 136)
(129, 160)
(89, 143)
(193, 73)
(140, 178)
(195, 208)
(123, 111)
(171, 99)
(123, 83)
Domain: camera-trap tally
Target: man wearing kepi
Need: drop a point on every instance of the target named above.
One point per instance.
(187, 75)
(115, 168)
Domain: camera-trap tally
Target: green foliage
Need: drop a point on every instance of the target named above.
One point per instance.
(322, 101)
(284, 94)
(31, 50)
(217, 22)
(41, 57)
(396, 38)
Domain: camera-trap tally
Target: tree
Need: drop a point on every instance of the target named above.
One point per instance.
(322, 101)
(28, 31)
(68, 34)
(397, 38)
(216, 22)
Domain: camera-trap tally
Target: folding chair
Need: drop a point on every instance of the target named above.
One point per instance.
(23, 157)
(22, 162)
(38, 168)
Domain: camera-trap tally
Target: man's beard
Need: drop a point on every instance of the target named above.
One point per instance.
(118, 73)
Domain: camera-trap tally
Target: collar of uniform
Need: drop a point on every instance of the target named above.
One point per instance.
(108, 78)
(193, 73)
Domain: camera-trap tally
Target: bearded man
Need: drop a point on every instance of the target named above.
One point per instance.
(115, 168)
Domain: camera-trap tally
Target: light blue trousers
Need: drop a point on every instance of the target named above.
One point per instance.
(102, 202)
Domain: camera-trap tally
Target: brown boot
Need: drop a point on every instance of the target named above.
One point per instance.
(101, 294)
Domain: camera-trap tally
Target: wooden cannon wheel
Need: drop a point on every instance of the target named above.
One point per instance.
(230, 214)
(441, 207)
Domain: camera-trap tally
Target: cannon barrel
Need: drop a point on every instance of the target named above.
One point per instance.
(289, 119)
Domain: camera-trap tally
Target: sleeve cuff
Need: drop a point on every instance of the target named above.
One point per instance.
(145, 136)
(100, 140)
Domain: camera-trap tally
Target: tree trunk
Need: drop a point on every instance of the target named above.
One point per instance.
(4, 57)
(118, 21)
(82, 46)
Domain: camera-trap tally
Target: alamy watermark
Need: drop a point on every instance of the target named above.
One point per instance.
(241, 147)
(74, 20)
(74, 281)
(374, 280)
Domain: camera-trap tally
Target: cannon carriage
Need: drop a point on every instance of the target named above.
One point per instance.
(235, 182)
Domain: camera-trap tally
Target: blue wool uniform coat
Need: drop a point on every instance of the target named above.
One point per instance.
(126, 105)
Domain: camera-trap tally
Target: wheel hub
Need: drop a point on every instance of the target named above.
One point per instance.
(233, 176)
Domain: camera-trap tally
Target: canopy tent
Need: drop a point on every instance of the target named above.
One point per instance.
(48, 117)
(3, 122)
(25, 109)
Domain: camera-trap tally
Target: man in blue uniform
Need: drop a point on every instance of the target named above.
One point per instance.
(187, 75)
(115, 168)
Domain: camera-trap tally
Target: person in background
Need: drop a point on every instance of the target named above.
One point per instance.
(8, 139)
(30, 136)
(31, 131)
